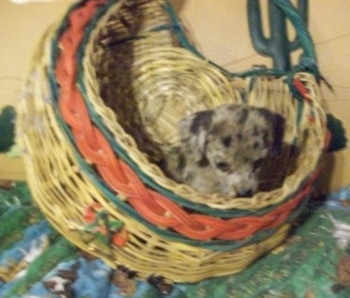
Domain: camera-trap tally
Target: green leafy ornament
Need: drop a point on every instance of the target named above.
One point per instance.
(338, 134)
(7, 128)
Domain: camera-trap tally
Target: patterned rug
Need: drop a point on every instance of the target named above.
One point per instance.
(35, 261)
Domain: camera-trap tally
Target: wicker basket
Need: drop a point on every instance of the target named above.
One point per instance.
(101, 104)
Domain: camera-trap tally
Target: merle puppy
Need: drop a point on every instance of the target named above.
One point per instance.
(222, 150)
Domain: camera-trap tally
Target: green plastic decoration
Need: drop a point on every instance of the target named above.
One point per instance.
(277, 45)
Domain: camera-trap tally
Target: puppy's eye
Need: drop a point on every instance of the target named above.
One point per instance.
(256, 145)
(223, 166)
(227, 141)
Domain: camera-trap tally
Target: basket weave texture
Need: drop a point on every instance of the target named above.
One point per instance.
(101, 105)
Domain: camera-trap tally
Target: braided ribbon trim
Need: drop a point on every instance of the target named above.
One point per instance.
(95, 148)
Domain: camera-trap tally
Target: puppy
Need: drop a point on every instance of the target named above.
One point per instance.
(222, 150)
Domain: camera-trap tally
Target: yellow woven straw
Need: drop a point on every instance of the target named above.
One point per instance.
(139, 83)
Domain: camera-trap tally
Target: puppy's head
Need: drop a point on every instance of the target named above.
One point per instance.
(234, 139)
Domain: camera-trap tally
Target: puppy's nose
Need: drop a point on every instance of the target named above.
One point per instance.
(245, 194)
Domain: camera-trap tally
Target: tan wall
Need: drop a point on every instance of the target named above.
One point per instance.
(21, 26)
(221, 33)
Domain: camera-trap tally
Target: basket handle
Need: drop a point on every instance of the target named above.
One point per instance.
(277, 45)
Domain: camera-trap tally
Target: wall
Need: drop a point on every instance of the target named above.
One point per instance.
(221, 33)
(21, 26)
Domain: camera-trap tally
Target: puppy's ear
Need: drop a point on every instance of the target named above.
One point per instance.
(278, 126)
(194, 129)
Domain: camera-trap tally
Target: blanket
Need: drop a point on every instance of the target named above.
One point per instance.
(36, 261)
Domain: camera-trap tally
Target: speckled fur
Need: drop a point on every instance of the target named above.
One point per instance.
(222, 150)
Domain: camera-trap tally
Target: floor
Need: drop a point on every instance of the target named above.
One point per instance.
(35, 261)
